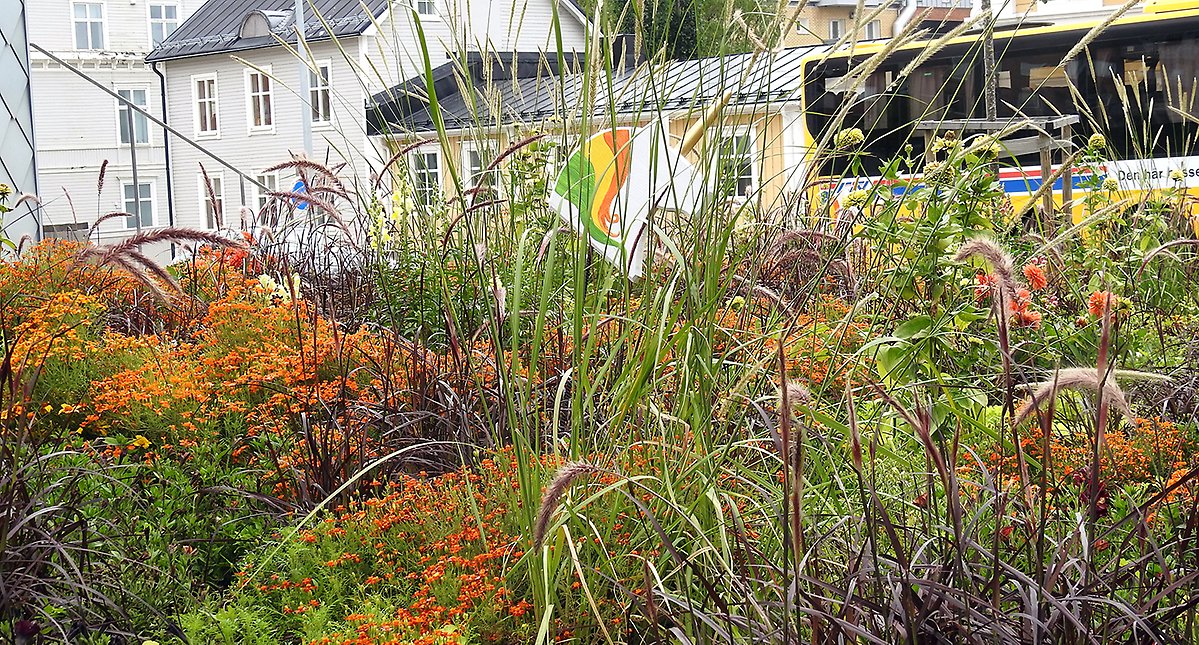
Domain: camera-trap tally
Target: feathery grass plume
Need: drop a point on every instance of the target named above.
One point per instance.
(796, 394)
(1079, 379)
(562, 482)
(325, 206)
(299, 164)
(100, 177)
(169, 234)
(104, 218)
(1000, 262)
(27, 197)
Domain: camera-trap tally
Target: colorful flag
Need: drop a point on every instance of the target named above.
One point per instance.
(612, 183)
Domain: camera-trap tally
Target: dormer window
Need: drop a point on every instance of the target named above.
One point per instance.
(258, 23)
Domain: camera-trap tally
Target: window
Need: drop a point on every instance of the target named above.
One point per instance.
(426, 176)
(318, 93)
(213, 204)
(426, 7)
(139, 201)
(803, 26)
(735, 164)
(874, 30)
(836, 29)
(88, 18)
(474, 162)
(204, 93)
(141, 125)
(271, 181)
(259, 93)
(164, 18)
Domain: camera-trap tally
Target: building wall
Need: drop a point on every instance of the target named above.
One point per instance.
(77, 124)
(382, 57)
(812, 26)
(343, 141)
(17, 160)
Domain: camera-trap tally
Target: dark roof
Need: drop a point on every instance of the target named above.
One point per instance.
(532, 90)
(214, 27)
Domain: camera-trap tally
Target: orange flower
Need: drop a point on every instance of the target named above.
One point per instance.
(1036, 277)
(986, 284)
(1099, 300)
(1027, 318)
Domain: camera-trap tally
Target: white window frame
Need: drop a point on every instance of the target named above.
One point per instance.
(433, 9)
(103, 25)
(216, 106)
(145, 181)
(327, 89)
(836, 30)
(803, 26)
(261, 199)
(733, 132)
(218, 188)
(469, 178)
(875, 26)
(137, 116)
(437, 191)
(152, 21)
(254, 97)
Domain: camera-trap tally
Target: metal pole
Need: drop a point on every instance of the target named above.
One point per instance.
(305, 99)
(137, 187)
(989, 62)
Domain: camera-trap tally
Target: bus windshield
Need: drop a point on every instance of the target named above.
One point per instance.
(1135, 84)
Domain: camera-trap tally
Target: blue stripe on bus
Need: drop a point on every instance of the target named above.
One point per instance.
(1017, 186)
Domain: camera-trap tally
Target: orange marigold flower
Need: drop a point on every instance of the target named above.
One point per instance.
(1099, 300)
(1036, 277)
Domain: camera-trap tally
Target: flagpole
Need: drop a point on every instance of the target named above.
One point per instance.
(305, 99)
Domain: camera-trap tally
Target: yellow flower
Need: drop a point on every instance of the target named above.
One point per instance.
(1177, 175)
(67, 408)
(857, 198)
(1097, 142)
(849, 139)
(140, 441)
(5, 191)
(1111, 185)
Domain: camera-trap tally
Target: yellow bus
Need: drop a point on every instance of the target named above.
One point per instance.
(1134, 83)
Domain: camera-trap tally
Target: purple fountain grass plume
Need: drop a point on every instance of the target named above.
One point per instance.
(300, 164)
(1083, 379)
(562, 482)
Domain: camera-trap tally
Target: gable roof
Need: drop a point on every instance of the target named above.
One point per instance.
(536, 90)
(214, 27)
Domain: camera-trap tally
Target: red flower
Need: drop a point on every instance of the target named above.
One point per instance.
(1099, 300)
(1036, 277)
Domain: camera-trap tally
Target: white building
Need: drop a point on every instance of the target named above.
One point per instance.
(79, 127)
(232, 85)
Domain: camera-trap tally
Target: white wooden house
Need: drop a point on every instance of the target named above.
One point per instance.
(233, 83)
(79, 127)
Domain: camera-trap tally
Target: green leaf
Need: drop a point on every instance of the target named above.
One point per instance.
(914, 328)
